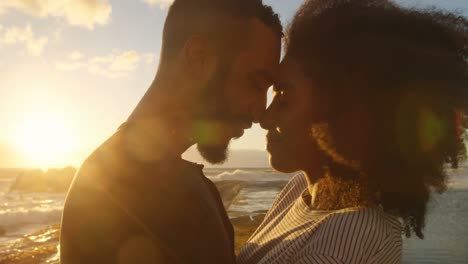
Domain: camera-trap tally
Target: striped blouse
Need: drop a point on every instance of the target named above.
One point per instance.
(292, 232)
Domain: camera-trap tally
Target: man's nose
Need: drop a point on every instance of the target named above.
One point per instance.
(258, 109)
(266, 120)
(257, 114)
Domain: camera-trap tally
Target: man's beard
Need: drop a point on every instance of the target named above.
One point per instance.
(214, 154)
(214, 109)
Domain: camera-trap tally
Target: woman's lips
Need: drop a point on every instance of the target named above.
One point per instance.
(273, 141)
(273, 146)
(273, 137)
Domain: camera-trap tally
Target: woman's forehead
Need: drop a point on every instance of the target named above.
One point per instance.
(290, 71)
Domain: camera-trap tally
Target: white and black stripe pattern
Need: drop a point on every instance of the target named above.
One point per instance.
(294, 233)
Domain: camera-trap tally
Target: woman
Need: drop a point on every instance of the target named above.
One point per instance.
(369, 106)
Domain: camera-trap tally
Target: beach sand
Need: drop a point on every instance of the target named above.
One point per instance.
(445, 240)
(244, 226)
(37, 247)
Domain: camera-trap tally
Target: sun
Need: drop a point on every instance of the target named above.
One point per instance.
(44, 138)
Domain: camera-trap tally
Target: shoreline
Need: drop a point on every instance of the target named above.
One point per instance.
(42, 246)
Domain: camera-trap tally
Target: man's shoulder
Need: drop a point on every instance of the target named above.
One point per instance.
(111, 173)
(117, 157)
(170, 198)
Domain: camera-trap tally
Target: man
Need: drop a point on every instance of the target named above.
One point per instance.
(134, 199)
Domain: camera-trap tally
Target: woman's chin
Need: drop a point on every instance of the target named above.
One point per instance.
(282, 163)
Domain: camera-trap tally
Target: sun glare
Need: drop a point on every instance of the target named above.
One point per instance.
(44, 138)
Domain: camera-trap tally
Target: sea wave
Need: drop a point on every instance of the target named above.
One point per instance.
(251, 176)
(19, 210)
(458, 179)
(23, 216)
(252, 200)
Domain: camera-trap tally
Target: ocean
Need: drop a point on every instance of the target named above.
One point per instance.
(250, 192)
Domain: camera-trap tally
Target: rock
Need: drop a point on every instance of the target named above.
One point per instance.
(228, 190)
(53, 180)
(244, 226)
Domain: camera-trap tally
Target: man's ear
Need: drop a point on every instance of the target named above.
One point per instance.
(200, 58)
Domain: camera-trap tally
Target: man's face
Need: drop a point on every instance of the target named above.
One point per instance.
(297, 106)
(237, 94)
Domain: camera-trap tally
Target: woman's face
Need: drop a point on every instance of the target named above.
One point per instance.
(296, 106)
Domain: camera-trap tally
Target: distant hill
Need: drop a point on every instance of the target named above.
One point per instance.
(7, 172)
(58, 180)
(236, 159)
(52, 180)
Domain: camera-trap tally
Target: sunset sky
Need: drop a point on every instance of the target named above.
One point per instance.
(72, 71)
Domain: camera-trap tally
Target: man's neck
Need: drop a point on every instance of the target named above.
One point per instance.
(160, 119)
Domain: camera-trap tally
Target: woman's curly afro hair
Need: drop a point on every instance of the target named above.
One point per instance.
(397, 86)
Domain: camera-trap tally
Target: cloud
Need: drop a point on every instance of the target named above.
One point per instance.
(75, 55)
(161, 3)
(125, 62)
(84, 13)
(149, 58)
(115, 65)
(69, 66)
(25, 37)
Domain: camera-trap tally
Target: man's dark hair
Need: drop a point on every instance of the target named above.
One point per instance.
(215, 18)
(408, 70)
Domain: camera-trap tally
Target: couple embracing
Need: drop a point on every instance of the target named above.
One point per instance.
(368, 104)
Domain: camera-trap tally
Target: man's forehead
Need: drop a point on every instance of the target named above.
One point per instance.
(256, 26)
(264, 70)
(260, 56)
(262, 41)
(265, 75)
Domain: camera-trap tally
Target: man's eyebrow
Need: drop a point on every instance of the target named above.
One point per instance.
(281, 86)
(264, 75)
(276, 88)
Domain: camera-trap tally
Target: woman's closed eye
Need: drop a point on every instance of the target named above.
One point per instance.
(280, 96)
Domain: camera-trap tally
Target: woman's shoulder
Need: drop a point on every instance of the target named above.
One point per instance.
(372, 219)
(287, 196)
(296, 185)
(357, 235)
(293, 190)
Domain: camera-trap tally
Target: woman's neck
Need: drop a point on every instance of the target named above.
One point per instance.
(330, 190)
(313, 176)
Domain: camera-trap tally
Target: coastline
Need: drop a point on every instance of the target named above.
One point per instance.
(42, 246)
(247, 194)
